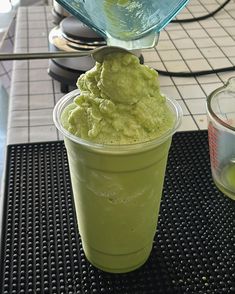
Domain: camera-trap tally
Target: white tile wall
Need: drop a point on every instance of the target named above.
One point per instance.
(197, 106)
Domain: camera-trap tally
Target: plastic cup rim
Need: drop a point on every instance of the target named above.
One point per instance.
(112, 148)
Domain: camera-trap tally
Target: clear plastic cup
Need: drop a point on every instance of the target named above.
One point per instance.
(117, 191)
(221, 132)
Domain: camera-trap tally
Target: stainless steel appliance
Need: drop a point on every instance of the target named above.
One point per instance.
(58, 12)
(72, 35)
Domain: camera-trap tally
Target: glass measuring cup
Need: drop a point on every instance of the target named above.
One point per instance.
(221, 133)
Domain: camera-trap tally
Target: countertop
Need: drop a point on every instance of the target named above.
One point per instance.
(203, 45)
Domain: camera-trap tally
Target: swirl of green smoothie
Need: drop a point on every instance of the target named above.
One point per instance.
(120, 103)
(124, 18)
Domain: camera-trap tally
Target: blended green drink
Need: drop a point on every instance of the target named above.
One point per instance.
(117, 133)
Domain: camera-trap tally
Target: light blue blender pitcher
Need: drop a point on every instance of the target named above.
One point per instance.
(132, 24)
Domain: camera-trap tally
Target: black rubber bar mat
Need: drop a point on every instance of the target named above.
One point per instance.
(41, 250)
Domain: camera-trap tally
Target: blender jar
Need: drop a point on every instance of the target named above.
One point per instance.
(132, 24)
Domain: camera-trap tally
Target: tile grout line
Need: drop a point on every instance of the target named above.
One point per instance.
(52, 80)
(28, 64)
(217, 44)
(196, 78)
(199, 49)
(183, 99)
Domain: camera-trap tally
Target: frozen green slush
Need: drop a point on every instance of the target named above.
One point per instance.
(117, 130)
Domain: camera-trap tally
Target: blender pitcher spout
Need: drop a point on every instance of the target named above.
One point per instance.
(150, 40)
(132, 24)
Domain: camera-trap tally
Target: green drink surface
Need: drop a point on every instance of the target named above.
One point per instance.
(226, 179)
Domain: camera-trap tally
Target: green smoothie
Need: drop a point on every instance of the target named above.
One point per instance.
(117, 198)
(117, 133)
(120, 103)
